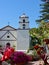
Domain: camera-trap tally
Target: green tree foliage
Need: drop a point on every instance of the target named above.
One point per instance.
(44, 30)
(34, 40)
(34, 37)
(44, 11)
(38, 34)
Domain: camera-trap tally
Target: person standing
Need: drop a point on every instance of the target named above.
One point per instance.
(8, 51)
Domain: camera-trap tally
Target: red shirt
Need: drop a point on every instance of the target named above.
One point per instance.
(8, 53)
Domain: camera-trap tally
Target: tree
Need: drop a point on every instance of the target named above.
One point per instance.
(44, 11)
(44, 30)
(34, 33)
(40, 33)
(34, 41)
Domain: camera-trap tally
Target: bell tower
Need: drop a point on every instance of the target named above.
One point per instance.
(24, 23)
(23, 33)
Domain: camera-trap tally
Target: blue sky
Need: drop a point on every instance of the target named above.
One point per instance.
(10, 10)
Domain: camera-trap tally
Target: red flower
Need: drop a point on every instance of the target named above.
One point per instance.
(46, 40)
(38, 51)
(36, 47)
(19, 57)
(41, 48)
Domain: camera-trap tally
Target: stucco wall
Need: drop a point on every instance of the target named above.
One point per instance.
(22, 39)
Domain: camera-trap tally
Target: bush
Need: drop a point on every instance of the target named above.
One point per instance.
(19, 57)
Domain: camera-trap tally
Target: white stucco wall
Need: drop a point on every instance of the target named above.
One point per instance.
(19, 38)
(22, 39)
(12, 39)
(3, 43)
(2, 33)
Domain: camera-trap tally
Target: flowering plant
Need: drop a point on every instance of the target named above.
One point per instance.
(42, 54)
(19, 57)
(36, 47)
(46, 40)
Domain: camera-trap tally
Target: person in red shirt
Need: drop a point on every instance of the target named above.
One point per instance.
(8, 51)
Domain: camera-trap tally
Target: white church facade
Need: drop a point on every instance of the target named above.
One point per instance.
(16, 37)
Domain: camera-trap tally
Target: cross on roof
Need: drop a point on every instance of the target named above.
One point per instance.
(8, 23)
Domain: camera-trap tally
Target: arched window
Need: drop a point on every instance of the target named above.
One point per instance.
(23, 20)
(8, 43)
(23, 24)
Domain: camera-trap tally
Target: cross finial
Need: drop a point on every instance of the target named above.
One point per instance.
(8, 23)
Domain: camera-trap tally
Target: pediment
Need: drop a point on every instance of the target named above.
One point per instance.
(8, 28)
(8, 36)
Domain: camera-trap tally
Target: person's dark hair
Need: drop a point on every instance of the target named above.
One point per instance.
(8, 44)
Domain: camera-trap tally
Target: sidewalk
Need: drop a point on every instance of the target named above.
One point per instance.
(36, 63)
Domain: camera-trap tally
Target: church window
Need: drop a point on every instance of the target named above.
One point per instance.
(23, 20)
(8, 36)
(23, 24)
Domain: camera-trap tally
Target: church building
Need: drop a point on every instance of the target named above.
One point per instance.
(16, 37)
